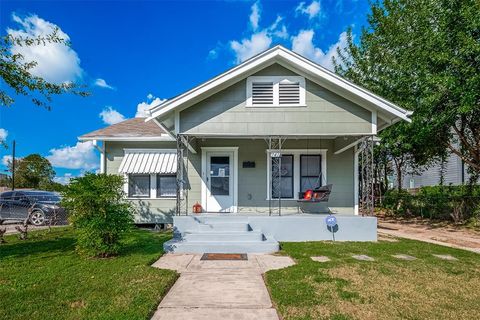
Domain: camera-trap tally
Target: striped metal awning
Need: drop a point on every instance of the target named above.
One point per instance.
(149, 161)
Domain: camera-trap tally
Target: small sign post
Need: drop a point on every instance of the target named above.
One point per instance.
(331, 222)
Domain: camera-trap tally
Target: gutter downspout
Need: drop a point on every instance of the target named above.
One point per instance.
(101, 150)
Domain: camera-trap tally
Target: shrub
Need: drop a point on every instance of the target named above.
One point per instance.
(98, 212)
(398, 202)
(457, 203)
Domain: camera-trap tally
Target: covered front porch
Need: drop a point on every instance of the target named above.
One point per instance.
(268, 175)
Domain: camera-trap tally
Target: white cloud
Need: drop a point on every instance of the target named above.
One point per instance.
(212, 54)
(6, 159)
(56, 62)
(111, 116)
(282, 33)
(303, 45)
(65, 179)
(143, 107)
(259, 40)
(255, 15)
(80, 156)
(312, 10)
(247, 48)
(274, 29)
(3, 134)
(103, 84)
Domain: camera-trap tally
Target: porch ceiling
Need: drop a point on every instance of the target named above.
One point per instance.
(287, 136)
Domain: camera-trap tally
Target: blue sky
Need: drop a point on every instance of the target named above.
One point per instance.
(132, 54)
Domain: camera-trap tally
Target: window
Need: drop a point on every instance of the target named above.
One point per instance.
(286, 177)
(275, 91)
(310, 172)
(139, 186)
(6, 195)
(301, 170)
(166, 186)
(220, 175)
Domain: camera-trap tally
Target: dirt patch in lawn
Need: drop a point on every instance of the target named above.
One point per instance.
(431, 231)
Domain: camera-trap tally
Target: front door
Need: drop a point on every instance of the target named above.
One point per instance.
(219, 181)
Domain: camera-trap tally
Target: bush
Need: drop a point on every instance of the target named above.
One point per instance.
(98, 212)
(398, 202)
(457, 203)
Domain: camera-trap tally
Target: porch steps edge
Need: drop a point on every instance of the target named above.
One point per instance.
(179, 246)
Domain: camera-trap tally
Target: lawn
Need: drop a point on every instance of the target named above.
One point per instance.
(387, 288)
(43, 278)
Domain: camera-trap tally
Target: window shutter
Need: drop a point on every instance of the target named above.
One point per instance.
(289, 92)
(262, 93)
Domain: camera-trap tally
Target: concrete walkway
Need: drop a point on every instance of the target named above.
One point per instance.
(218, 289)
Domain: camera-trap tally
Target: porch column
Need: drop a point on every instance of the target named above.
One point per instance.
(275, 147)
(366, 176)
(182, 175)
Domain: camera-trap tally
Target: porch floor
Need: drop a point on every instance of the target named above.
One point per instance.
(260, 233)
(265, 214)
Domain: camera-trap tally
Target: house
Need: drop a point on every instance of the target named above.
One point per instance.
(245, 145)
(454, 172)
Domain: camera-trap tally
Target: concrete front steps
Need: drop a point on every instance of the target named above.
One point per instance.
(221, 235)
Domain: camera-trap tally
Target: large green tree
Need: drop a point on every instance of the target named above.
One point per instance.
(425, 56)
(33, 171)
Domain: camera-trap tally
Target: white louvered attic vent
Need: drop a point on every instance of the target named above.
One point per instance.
(262, 93)
(289, 93)
(275, 91)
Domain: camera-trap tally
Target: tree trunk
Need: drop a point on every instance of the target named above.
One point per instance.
(385, 177)
(398, 168)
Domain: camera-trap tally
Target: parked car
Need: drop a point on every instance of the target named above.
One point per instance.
(43, 205)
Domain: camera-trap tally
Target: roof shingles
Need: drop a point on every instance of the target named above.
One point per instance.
(135, 127)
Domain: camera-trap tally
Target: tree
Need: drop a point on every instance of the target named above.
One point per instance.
(423, 55)
(16, 74)
(33, 171)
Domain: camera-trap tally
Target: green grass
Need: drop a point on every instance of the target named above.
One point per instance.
(344, 288)
(43, 278)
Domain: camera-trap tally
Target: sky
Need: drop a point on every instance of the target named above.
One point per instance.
(131, 55)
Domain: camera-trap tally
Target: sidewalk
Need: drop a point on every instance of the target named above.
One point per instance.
(218, 289)
(441, 235)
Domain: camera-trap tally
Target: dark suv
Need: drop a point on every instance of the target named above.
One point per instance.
(16, 205)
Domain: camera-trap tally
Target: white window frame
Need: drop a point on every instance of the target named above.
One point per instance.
(159, 175)
(127, 185)
(153, 188)
(275, 80)
(296, 168)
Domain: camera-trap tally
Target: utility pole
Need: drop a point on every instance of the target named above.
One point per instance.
(13, 166)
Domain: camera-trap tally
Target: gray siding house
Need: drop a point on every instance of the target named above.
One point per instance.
(454, 171)
(248, 143)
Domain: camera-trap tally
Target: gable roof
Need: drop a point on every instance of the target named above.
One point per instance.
(280, 54)
(130, 129)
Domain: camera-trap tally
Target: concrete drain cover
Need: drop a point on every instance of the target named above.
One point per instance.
(320, 259)
(445, 257)
(224, 256)
(404, 257)
(362, 257)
